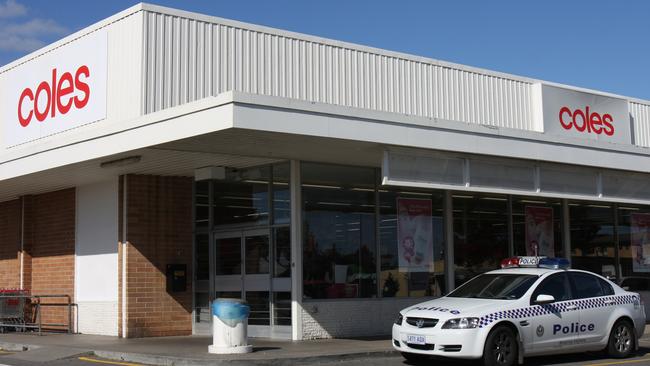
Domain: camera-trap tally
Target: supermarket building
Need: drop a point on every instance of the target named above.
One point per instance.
(159, 159)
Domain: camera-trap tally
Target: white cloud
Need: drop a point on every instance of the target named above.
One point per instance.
(27, 35)
(33, 27)
(11, 9)
(21, 44)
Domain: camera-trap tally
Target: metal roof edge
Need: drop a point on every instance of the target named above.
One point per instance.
(384, 52)
(431, 123)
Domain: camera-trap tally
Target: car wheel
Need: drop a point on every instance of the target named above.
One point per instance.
(414, 357)
(621, 340)
(500, 347)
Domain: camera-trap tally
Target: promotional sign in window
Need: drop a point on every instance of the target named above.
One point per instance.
(60, 90)
(586, 116)
(414, 235)
(640, 241)
(539, 231)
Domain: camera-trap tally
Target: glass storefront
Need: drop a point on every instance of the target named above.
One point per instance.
(339, 251)
(593, 237)
(365, 240)
(411, 243)
(480, 234)
(537, 225)
(634, 244)
(243, 247)
(361, 241)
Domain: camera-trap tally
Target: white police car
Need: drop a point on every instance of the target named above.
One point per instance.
(529, 307)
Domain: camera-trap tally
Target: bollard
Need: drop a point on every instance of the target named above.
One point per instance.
(230, 327)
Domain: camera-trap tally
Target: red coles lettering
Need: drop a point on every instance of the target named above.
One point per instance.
(586, 121)
(57, 96)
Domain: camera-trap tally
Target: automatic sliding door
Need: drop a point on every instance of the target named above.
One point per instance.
(257, 281)
(228, 265)
(248, 266)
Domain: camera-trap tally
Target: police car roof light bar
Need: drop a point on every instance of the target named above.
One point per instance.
(554, 263)
(535, 262)
(510, 262)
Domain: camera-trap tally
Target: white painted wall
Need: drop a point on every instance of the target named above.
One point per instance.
(352, 317)
(96, 275)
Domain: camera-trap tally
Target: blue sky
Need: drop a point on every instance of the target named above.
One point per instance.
(603, 45)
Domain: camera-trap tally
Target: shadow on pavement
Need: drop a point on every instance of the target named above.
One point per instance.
(575, 358)
(261, 349)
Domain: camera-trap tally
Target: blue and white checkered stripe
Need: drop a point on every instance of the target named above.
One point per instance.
(538, 310)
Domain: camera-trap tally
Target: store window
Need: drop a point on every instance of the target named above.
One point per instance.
(537, 226)
(593, 237)
(411, 236)
(242, 198)
(202, 205)
(480, 234)
(281, 194)
(634, 246)
(339, 248)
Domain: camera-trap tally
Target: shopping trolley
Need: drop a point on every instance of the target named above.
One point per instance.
(12, 309)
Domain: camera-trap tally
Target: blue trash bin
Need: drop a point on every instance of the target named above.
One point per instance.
(231, 311)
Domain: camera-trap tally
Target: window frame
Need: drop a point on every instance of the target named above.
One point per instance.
(608, 289)
(567, 283)
(574, 287)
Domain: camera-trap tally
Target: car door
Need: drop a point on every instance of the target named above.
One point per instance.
(593, 297)
(550, 321)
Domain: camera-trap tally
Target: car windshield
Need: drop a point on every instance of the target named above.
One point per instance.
(500, 286)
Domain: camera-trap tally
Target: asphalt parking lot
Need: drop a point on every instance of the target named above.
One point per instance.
(80, 357)
(642, 357)
(7, 360)
(591, 359)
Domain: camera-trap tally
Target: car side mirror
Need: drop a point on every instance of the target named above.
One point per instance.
(626, 288)
(544, 299)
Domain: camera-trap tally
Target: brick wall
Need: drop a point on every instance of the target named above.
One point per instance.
(50, 249)
(10, 219)
(159, 232)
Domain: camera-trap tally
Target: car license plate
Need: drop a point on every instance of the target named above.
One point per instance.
(416, 339)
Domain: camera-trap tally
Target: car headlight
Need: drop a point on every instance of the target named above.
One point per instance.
(399, 319)
(461, 323)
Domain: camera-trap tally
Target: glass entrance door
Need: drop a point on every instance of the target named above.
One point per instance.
(246, 267)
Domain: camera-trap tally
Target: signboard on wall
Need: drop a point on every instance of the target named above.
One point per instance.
(640, 241)
(571, 113)
(55, 92)
(539, 231)
(414, 235)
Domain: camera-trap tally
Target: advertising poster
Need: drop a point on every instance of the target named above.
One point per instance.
(414, 235)
(640, 241)
(539, 231)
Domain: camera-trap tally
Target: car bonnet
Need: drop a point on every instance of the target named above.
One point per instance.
(455, 307)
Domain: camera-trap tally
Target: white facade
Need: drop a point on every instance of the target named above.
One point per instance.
(96, 277)
(185, 91)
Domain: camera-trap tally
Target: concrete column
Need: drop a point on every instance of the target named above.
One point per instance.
(296, 251)
(449, 241)
(566, 229)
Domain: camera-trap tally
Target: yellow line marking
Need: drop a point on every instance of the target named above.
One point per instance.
(88, 359)
(620, 362)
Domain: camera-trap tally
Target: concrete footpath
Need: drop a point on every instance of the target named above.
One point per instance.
(192, 350)
(188, 351)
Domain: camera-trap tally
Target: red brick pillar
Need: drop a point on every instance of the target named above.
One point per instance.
(159, 232)
(10, 219)
(49, 245)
